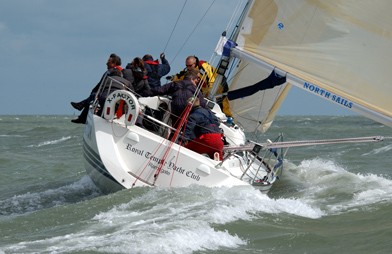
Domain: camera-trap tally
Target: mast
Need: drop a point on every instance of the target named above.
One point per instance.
(241, 19)
(225, 60)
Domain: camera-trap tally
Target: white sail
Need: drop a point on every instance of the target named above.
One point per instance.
(338, 50)
(258, 110)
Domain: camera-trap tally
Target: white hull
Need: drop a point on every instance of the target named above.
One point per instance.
(121, 157)
(119, 154)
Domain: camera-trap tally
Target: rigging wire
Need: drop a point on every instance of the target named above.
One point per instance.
(175, 25)
(233, 17)
(193, 30)
(229, 25)
(185, 113)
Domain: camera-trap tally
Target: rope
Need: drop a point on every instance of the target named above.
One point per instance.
(180, 143)
(189, 36)
(146, 163)
(182, 124)
(184, 117)
(175, 25)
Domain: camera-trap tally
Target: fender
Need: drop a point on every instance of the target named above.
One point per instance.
(130, 100)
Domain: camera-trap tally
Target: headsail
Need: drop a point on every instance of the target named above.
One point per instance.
(256, 110)
(338, 50)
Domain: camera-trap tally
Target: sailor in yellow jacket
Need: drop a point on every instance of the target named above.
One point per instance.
(208, 74)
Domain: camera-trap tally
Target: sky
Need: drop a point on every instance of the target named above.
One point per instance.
(54, 52)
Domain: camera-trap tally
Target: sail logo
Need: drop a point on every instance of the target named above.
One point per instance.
(328, 95)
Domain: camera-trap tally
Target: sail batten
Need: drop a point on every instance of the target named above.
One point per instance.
(338, 50)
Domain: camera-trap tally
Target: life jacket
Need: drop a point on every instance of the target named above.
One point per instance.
(205, 69)
(118, 67)
(154, 68)
(115, 71)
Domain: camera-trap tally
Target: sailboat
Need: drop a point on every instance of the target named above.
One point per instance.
(337, 50)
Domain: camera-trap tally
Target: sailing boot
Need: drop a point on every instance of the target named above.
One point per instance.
(77, 105)
(82, 117)
(78, 120)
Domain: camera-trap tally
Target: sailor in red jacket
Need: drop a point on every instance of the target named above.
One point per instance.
(202, 133)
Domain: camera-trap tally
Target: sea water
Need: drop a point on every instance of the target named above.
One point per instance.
(329, 199)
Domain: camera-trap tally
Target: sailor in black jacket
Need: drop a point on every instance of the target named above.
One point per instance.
(180, 92)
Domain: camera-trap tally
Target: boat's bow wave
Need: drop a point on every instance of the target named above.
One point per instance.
(327, 186)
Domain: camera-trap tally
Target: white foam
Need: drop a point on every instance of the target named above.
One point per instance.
(121, 241)
(11, 136)
(383, 149)
(51, 142)
(335, 190)
(242, 203)
(172, 221)
(372, 189)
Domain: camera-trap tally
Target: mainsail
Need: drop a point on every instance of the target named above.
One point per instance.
(338, 50)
